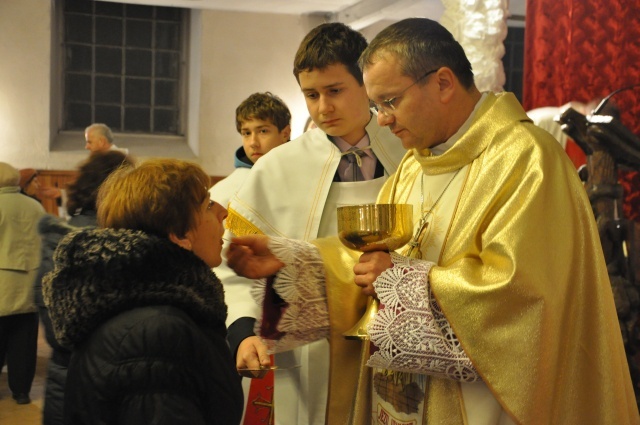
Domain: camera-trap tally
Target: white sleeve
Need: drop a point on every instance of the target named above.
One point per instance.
(410, 330)
(304, 317)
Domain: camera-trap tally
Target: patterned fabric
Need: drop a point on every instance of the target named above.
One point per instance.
(300, 283)
(411, 333)
(428, 344)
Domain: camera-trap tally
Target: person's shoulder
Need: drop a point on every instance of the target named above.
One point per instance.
(25, 203)
(145, 329)
(49, 223)
(224, 189)
(304, 147)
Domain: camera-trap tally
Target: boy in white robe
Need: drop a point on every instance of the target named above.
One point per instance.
(294, 192)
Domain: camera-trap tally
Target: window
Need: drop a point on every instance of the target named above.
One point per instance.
(513, 60)
(123, 65)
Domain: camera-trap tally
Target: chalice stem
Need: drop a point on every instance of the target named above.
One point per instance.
(359, 330)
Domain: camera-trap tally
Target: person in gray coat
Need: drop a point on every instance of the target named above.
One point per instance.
(19, 262)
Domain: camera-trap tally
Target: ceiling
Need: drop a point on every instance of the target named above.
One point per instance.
(358, 14)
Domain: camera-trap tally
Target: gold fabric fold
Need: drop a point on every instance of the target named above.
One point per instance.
(240, 226)
(349, 379)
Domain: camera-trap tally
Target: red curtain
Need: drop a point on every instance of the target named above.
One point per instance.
(584, 49)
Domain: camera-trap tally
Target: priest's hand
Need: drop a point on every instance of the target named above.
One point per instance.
(371, 265)
(252, 354)
(250, 257)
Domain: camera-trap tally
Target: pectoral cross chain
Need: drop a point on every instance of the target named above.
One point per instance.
(414, 244)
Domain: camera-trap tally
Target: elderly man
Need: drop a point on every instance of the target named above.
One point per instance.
(99, 138)
(499, 310)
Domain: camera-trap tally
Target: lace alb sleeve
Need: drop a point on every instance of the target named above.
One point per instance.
(410, 331)
(304, 315)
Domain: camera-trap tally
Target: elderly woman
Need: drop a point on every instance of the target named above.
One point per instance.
(19, 261)
(139, 304)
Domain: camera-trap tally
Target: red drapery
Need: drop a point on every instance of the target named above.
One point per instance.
(580, 50)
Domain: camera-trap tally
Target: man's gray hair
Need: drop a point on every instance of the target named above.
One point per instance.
(101, 129)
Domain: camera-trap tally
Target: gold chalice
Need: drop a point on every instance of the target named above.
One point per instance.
(373, 227)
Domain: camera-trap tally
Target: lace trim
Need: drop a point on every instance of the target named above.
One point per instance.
(411, 332)
(301, 283)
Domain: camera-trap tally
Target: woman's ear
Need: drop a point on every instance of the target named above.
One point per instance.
(184, 242)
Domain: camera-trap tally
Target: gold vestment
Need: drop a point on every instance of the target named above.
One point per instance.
(521, 279)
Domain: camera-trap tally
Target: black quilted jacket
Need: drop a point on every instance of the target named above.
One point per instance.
(145, 319)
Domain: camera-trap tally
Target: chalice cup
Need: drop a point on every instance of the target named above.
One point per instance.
(373, 227)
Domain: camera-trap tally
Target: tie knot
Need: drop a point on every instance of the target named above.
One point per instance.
(353, 155)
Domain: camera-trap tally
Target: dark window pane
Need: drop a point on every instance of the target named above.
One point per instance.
(82, 6)
(142, 12)
(518, 56)
(78, 87)
(109, 31)
(78, 28)
(109, 9)
(108, 90)
(137, 91)
(108, 60)
(516, 82)
(164, 121)
(137, 119)
(167, 65)
(513, 60)
(168, 14)
(109, 115)
(506, 59)
(138, 63)
(78, 58)
(122, 65)
(166, 93)
(167, 36)
(78, 115)
(139, 33)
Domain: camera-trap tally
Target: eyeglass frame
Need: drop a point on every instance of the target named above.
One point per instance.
(388, 107)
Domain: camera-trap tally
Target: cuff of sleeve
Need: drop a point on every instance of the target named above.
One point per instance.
(238, 331)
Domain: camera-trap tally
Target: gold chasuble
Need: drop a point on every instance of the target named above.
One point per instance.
(520, 277)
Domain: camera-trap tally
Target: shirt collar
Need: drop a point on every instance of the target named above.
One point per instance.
(362, 143)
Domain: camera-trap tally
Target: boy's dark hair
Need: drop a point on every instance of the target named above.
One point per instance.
(330, 44)
(263, 106)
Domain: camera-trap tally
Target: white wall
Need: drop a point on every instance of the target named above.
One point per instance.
(25, 83)
(244, 53)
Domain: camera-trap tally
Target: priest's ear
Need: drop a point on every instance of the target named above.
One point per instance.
(447, 82)
(183, 242)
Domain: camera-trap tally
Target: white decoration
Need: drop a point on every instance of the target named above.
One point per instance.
(480, 26)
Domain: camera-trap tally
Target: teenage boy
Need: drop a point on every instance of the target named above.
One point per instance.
(294, 192)
(264, 122)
